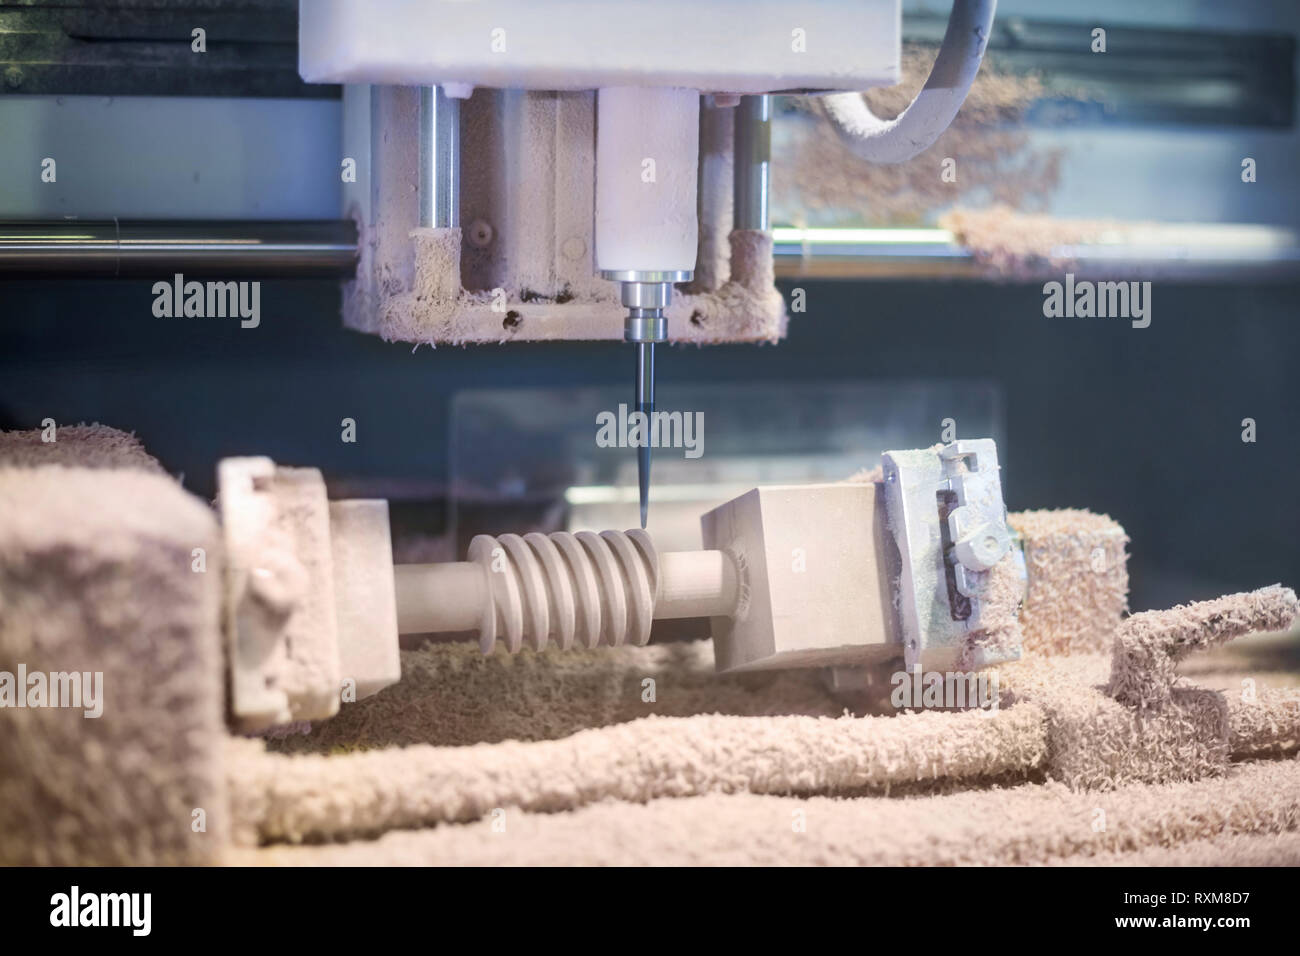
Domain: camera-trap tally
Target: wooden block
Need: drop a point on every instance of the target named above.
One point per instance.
(364, 595)
(814, 573)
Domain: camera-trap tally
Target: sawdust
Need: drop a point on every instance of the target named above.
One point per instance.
(1268, 723)
(295, 798)
(745, 308)
(1026, 824)
(1096, 743)
(82, 446)
(822, 184)
(451, 694)
(994, 208)
(108, 588)
(717, 159)
(1019, 245)
(437, 265)
(1055, 718)
(1000, 636)
(1078, 580)
(876, 474)
(1149, 645)
(1239, 849)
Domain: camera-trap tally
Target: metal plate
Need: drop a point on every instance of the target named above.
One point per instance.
(940, 598)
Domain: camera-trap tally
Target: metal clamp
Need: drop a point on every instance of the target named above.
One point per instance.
(949, 523)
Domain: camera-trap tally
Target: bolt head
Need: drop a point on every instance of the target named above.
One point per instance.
(982, 548)
(480, 233)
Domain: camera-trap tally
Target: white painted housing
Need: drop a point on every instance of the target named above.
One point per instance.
(727, 46)
(647, 157)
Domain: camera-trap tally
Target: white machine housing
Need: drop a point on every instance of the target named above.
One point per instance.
(519, 260)
(728, 46)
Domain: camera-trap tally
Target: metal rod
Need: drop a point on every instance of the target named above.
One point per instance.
(439, 159)
(376, 121)
(645, 403)
(646, 295)
(74, 248)
(753, 154)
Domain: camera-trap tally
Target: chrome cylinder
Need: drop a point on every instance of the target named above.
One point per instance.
(439, 159)
(753, 162)
(112, 248)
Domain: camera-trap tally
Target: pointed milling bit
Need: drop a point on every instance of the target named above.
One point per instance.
(645, 403)
(646, 295)
(643, 476)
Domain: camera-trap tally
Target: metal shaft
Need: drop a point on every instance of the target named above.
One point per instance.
(76, 248)
(753, 155)
(439, 159)
(646, 295)
(645, 403)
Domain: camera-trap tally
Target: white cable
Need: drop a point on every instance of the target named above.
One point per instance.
(918, 126)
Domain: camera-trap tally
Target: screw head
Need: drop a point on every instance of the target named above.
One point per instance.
(480, 233)
(982, 548)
